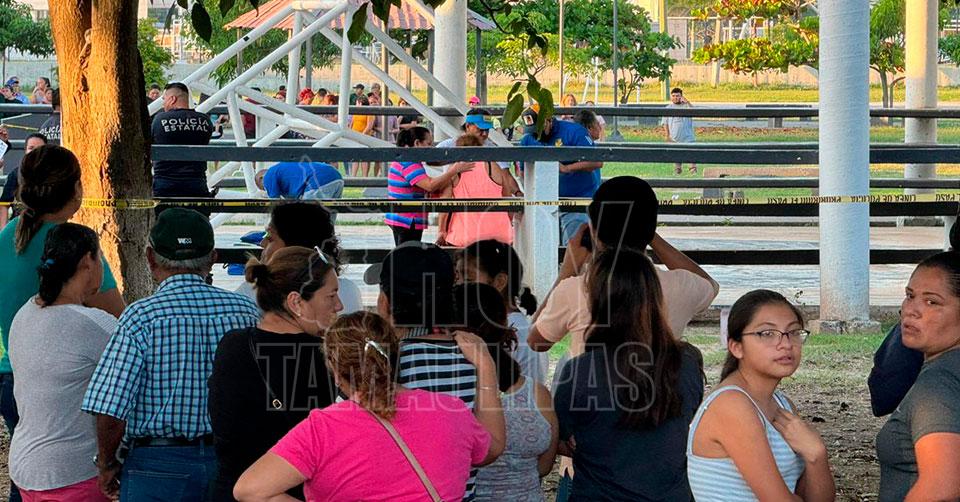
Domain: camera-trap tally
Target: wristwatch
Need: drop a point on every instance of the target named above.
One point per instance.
(96, 462)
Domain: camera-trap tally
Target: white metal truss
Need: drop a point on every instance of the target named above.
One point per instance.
(310, 17)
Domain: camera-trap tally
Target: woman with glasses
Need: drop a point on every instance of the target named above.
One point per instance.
(746, 441)
(266, 379)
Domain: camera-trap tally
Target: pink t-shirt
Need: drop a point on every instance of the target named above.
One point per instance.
(346, 454)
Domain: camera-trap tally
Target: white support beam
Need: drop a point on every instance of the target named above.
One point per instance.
(240, 138)
(272, 58)
(450, 65)
(229, 52)
(844, 165)
(293, 62)
(921, 81)
(230, 167)
(539, 235)
(346, 64)
(311, 118)
(439, 121)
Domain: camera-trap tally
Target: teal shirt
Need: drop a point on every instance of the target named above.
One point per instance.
(21, 281)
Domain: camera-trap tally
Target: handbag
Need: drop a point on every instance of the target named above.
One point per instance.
(410, 458)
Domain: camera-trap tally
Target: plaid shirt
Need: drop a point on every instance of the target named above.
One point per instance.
(154, 371)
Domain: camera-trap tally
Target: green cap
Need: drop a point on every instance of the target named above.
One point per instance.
(181, 234)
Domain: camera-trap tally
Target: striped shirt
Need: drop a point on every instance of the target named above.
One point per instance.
(718, 479)
(402, 182)
(439, 366)
(153, 373)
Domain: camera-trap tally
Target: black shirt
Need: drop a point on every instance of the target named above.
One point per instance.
(614, 463)
(244, 413)
(51, 129)
(10, 189)
(181, 127)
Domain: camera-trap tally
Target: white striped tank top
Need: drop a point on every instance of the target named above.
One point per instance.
(718, 480)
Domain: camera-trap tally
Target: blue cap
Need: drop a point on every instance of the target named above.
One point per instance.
(481, 121)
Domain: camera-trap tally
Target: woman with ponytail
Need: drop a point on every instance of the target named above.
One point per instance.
(385, 442)
(51, 194)
(266, 379)
(498, 264)
(531, 424)
(55, 345)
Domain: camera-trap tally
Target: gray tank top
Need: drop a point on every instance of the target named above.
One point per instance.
(514, 476)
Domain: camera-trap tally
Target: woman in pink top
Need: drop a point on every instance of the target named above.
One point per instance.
(344, 452)
(483, 182)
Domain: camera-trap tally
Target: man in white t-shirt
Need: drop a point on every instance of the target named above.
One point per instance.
(623, 214)
(679, 129)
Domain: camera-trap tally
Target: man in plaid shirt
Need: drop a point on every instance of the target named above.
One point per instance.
(149, 390)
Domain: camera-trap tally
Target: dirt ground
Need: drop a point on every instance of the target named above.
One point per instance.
(829, 390)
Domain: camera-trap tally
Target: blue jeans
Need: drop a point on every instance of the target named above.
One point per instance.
(332, 190)
(161, 473)
(569, 224)
(564, 488)
(8, 408)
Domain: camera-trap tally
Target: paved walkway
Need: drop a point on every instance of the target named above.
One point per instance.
(799, 282)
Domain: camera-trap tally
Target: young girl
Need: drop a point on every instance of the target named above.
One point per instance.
(770, 453)
(485, 182)
(497, 264)
(409, 181)
(531, 424)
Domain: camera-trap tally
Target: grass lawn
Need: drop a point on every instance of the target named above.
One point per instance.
(725, 93)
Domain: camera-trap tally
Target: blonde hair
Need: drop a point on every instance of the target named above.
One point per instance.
(362, 350)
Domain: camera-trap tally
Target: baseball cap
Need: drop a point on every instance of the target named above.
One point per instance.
(529, 118)
(359, 86)
(483, 122)
(13, 81)
(418, 280)
(475, 100)
(182, 234)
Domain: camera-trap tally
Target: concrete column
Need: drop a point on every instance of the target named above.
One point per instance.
(844, 165)
(921, 80)
(450, 65)
(539, 235)
(293, 62)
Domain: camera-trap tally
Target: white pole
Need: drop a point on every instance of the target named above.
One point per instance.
(240, 138)
(539, 235)
(346, 66)
(921, 80)
(844, 164)
(230, 52)
(450, 66)
(441, 124)
(293, 62)
(272, 58)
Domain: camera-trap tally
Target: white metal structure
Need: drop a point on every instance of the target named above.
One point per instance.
(312, 17)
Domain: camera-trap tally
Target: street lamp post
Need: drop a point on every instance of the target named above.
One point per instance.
(616, 136)
(562, 79)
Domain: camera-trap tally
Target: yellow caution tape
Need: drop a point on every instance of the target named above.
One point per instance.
(447, 203)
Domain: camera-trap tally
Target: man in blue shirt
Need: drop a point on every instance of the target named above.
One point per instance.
(301, 180)
(577, 179)
(150, 388)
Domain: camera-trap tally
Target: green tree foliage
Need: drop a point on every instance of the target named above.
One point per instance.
(642, 53)
(792, 39)
(156, 59)
(18, 31)
(887, 48)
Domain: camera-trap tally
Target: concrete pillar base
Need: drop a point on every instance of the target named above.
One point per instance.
(918, 221)
(854, 327)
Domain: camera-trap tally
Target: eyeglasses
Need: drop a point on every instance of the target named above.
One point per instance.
(773, 337)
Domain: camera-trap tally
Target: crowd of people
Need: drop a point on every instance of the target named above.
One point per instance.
(290, 388)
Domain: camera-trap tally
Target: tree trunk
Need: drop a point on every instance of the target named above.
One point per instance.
(884, 90)
(105, 123)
